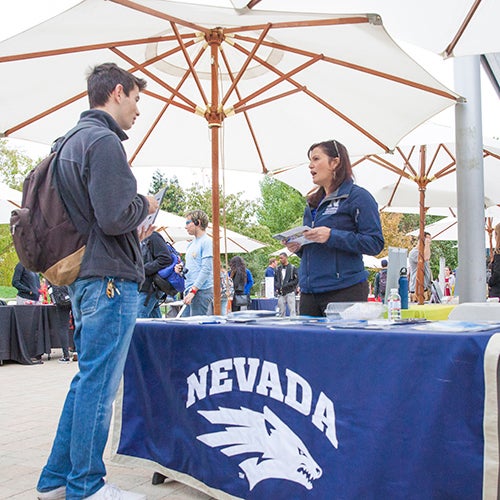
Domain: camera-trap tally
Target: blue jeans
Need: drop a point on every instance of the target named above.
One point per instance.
(151, 310)
(103, 330)
(200, 303)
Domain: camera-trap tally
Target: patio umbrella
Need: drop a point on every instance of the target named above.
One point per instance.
(266, 84)
(432, 170)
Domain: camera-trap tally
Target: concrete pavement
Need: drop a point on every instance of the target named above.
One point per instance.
(31, 398)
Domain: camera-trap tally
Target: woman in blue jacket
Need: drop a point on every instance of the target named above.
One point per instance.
(345, 225)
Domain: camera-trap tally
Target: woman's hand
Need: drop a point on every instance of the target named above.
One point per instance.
(319, 234)
(292, 246)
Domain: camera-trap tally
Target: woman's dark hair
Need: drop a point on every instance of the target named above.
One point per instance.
(237, 264)
(103, 79)
(333, 149)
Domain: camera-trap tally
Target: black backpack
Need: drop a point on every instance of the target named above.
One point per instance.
(59, 296)
(45, 238)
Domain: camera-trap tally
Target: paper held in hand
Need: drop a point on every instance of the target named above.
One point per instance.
(294, 235)
(149, 220)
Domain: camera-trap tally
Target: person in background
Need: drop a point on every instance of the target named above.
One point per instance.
(27, 284)
(271, 268)
(449, 281)
(285, 282)
(226, 289)
(345, 224)
(199, 266)
(494, 280)
(249, 283)
(155, 255)
(379, 286)
(100, 193)
(413, 266)
(237, 272)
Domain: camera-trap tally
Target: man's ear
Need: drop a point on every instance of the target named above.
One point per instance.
(118, 93)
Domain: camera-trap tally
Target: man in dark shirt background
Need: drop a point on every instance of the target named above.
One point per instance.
(27, 284)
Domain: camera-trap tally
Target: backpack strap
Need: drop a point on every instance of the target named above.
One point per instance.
(56, 148)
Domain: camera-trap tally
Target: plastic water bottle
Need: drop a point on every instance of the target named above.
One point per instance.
(394, 305)
(403, 288)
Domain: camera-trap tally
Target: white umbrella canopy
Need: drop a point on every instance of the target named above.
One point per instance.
(447, 27)
(359, 50)
(173, 228)
(261, 81)
(405, 198)
(446, 230)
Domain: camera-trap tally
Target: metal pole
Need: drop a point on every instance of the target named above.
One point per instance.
(471, 275)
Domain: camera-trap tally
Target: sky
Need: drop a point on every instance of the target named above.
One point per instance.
(17, 16)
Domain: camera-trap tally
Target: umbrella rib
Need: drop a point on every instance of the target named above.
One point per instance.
(82, 94)
(161, 15)
(164, 109)
(279, 80)
(355, 67)
(275, 97)
(86, 48)
(318, 99)
(407, 162)
(389, 166)
(148, 134)
(138, 66)
(302, 24)
(243, 68)
(245, 114)
(189, 63)
(487, 152)
(43, 114)
(451, 47)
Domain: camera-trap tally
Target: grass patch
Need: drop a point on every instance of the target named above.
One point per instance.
(8, 292)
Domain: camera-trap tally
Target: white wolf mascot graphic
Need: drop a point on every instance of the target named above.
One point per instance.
(282, 454)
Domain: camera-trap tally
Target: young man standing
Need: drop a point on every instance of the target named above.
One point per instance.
(286, 280)
(199, 266)
(100, 193)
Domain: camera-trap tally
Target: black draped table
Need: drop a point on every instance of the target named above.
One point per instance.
(28, 331)
(303, 411)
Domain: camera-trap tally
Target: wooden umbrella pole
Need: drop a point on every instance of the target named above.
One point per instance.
(419, 284)
(214, 117)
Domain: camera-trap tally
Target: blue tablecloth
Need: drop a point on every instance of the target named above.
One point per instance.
(290, 412)
(264, 304)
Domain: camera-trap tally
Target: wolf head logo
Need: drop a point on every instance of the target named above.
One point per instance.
(281, 453)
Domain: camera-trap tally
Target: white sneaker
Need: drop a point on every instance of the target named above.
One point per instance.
(56, 494)
(111, 492)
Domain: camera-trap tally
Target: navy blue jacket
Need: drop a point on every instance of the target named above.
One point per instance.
(100, 193)
(352, 215)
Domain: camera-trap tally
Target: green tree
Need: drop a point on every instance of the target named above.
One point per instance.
(14, 165)
(236, 213)
(175, 197)
(281, 206)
